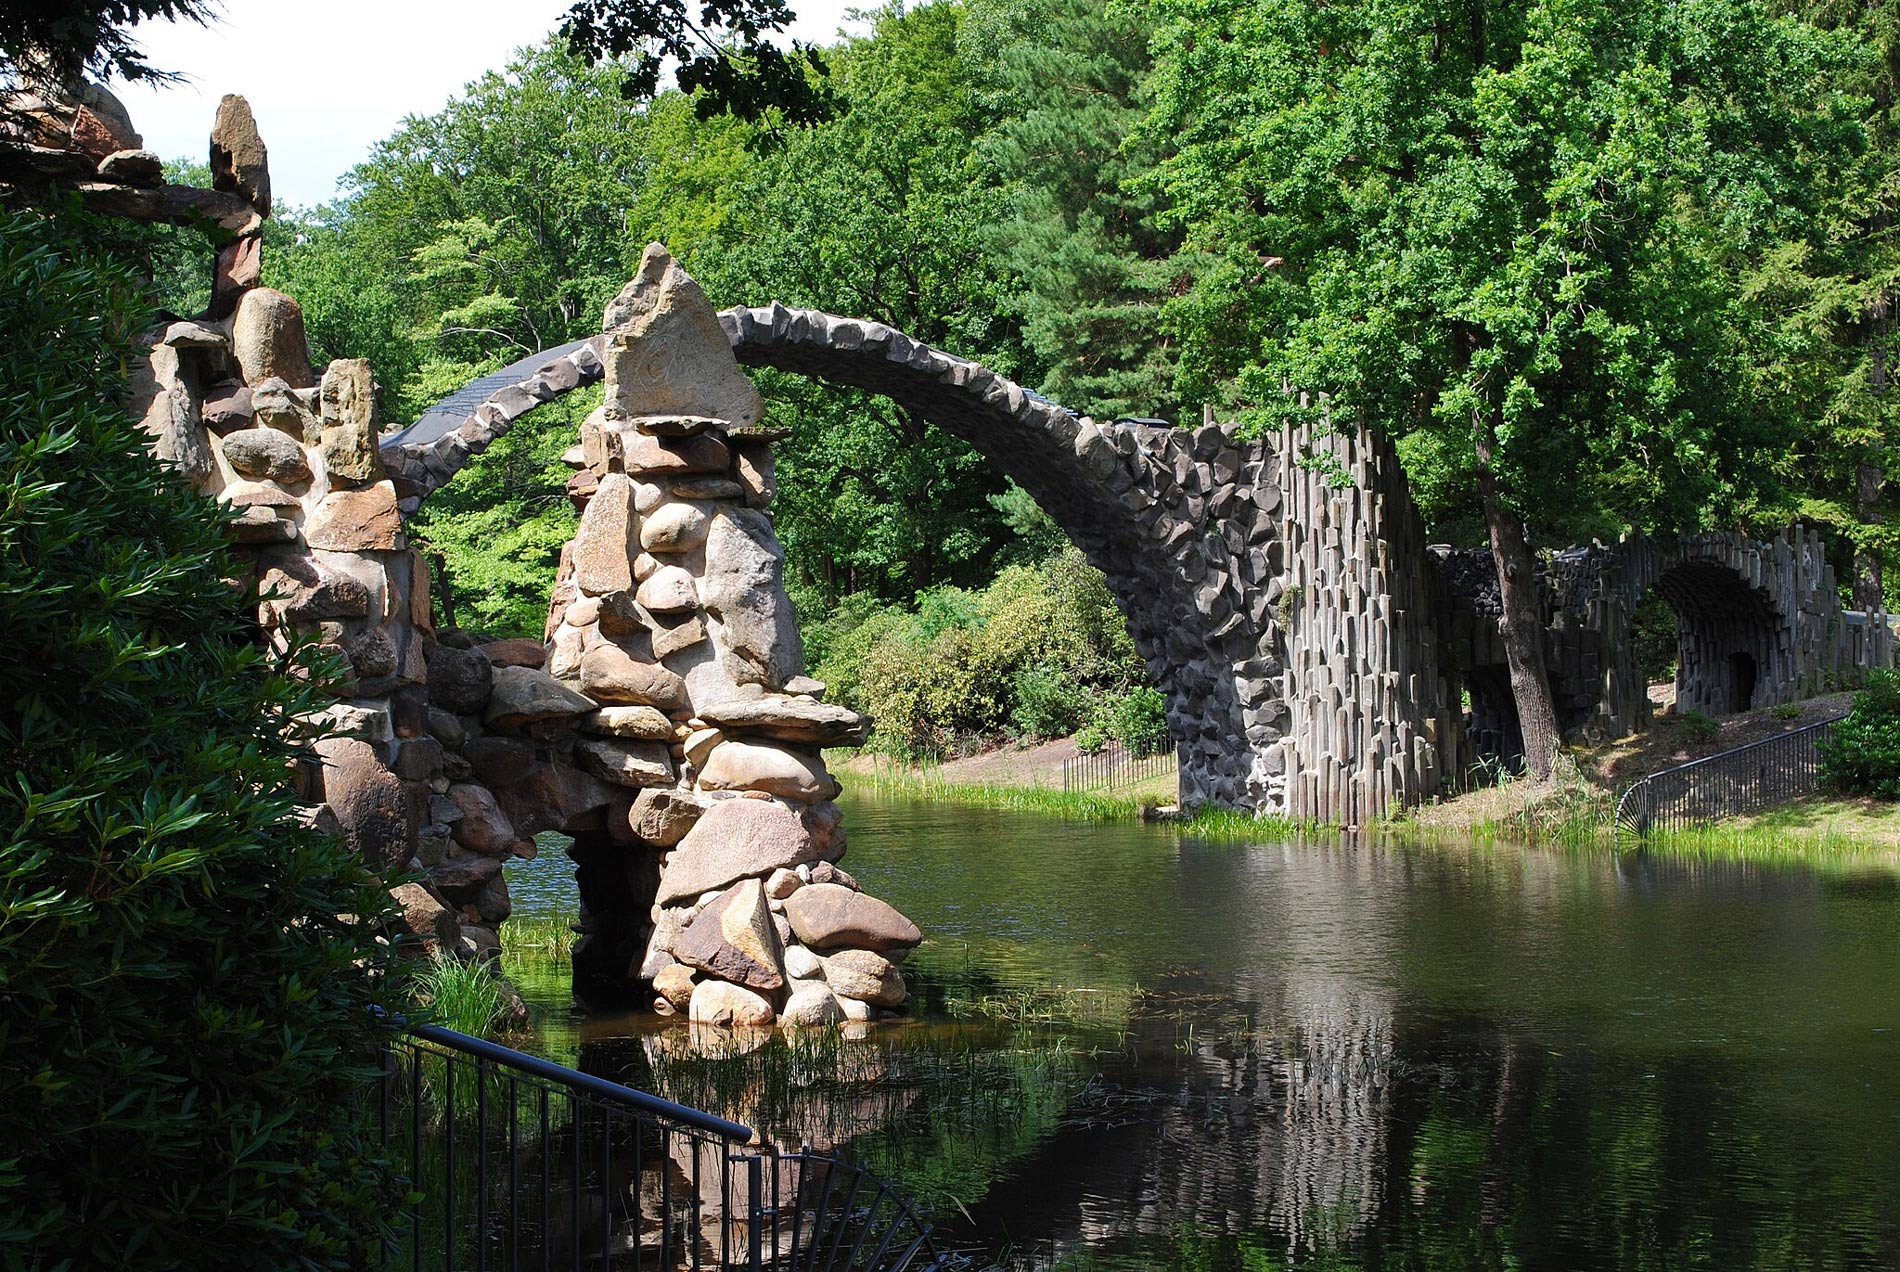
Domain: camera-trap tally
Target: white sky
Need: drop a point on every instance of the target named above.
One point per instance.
(328, 81)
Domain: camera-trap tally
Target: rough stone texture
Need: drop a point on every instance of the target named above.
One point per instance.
(363, 520)
(717, 1002)
(275, 404)
(795, 720)
(810, 1005)
(604, 542)
(731, 840)
(668, 590)
(645, 724)
(526, 695)
(626, 763)
(425, 918)
(515, 653)
(349, 414)
(609, 675)
(239, 162)
(480, 825)
(733, 939)
(744, 589)
(746, 766)
(802, 964)
(268, 340)
(663, 818)
(867, 976)
(657, 456)
(460, 680)
(267, 454)
(673, 528)
(675, 984)
(667, 352)
(368, 802)
(825, 915)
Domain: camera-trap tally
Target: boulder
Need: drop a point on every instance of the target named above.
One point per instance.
(645, 724)
(515, 653)
(604, 542)
(668, 925)
(268, 340)
(350, 413)
(369, 802)
(827, 915)
(668, 590)
(668, 641)
(299, 591)
(239, 162)
(733, 839)
(609, 675)
(826, 872)
(492, 903)
(753, 466)
(811, 1004)
(481, 826)
(267, 454)
(717, 1002)
(674, 983)
(276, 405)
(363, 520)
(802, 964)
(857, 1010)
(132, 167)
(424, 918)
(666, 353)
(626, 763)
(535, 790)
(865, 975)
(527, 695)
(657, 456)
(733, 939)
(463, 879)
(673, 528)
(750, 766)
(227, 407)
(460, 680)
(799, 720)
(256, 494)
(744, 588)
(663, 817)
(782, 884)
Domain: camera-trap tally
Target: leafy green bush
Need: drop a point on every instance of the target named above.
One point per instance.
(1700, 727)
(186, 974)
(1090, 739)
(1863, 756)
(1049, 703)
(1034, 654)
(1138, 719)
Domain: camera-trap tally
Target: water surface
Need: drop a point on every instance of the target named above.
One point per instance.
(1134, 1049)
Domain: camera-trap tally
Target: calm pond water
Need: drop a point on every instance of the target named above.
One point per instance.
(1139, 1050)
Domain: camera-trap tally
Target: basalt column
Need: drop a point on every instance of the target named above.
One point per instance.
(714, 885)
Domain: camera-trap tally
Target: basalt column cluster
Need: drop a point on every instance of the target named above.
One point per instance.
(719, 879)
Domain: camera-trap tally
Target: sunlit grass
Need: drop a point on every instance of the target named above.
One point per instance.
(466, 997)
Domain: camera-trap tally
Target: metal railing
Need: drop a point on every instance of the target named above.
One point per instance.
(515, 1162)
(1114, 765)
(1746, 779)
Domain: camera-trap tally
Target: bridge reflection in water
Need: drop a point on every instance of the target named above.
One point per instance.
(1350, 1056)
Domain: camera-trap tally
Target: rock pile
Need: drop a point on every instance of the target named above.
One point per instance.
(670, 620)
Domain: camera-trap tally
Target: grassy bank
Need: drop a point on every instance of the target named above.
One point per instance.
(885, 779)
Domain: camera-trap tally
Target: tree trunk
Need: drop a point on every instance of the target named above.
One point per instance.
(1522, 626)
(1869, 583)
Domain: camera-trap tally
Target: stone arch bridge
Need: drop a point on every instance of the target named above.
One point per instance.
(1318, 657)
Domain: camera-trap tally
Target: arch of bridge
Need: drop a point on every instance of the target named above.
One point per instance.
(1183, 523)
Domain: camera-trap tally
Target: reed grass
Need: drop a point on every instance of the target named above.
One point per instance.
(465, 997)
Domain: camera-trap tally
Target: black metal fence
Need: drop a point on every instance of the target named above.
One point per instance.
(515, 1162)
(1114, 765)
(1746, 779)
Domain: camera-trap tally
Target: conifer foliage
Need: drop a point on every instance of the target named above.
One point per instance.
(186, 974)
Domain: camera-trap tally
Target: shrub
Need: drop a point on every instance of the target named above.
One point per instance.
(1090, 739)
(1138, 719)
(1863, 756)
(186, 1017)
(1048, 701)
(1699, 727)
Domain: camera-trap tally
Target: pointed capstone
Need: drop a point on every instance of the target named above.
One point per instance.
(667, 355)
